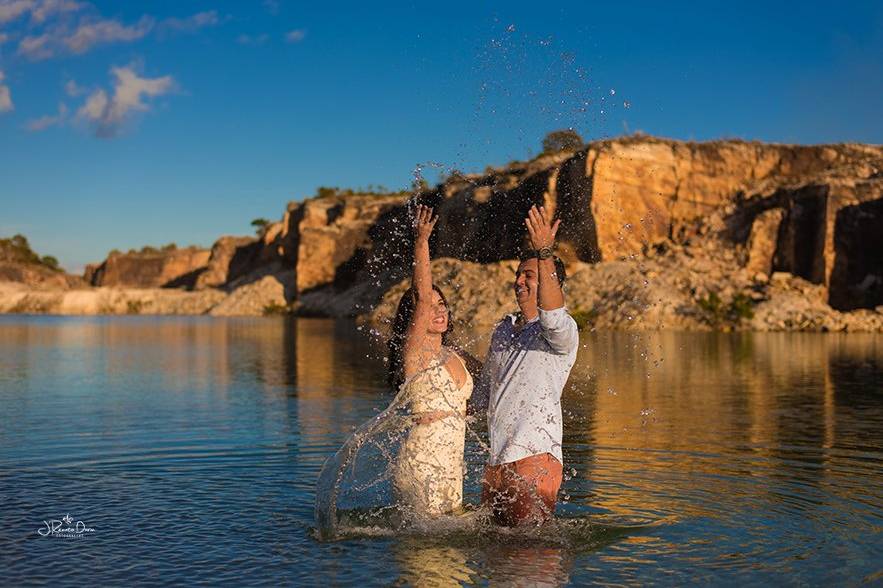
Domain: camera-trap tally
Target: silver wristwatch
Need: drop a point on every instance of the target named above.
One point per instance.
(544, 252)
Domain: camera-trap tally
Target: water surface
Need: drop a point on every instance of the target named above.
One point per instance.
(191, 447)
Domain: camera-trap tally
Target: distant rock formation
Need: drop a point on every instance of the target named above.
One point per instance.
(656, 234)
(149, 268)
(19, 264)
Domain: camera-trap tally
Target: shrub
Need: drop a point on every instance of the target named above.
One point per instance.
(260, 226)
(50, 262)
(584, 317)
(275, 309)
(562, 140)
(718, 313)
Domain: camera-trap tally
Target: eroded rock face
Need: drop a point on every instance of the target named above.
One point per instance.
(38, 277)
(230, 258)
(176, 268)
(657, 234)
(332, 232)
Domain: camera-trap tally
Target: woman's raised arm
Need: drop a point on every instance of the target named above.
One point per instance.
(421, 286)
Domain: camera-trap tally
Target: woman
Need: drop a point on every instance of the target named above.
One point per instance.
(434, 384)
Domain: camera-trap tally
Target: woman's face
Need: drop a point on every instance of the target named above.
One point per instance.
(438, 318)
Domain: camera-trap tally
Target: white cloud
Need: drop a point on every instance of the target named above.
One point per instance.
(107, 114)
(36, 48)
(72, 89)
(5, 96)
(44, 122)
(89, 34)
(12, 9)
(295, 36)
(192, 23)
(48, 8)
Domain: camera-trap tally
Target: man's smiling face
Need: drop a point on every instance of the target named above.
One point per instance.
(526, 281)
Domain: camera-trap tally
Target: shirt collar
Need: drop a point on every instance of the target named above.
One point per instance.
(513, 319)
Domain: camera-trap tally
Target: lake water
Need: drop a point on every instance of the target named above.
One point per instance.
(190, 448)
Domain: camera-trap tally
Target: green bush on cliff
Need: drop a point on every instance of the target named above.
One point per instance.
(562, 140)
(50, 262)
(17, 250)
(260, 226)
(719, 314)
(275, 309)
(370, 190)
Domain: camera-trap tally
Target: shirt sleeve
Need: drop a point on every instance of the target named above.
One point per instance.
(559, 330)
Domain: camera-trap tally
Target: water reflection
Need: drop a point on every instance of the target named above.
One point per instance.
(744, 452)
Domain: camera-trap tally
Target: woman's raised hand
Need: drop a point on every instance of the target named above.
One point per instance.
(424, 222)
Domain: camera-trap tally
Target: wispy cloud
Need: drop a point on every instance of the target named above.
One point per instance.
(108, 113)
(44, 122)
(60, 27)
(193, 23)
(36, 47)
(5, 96)
(13, 9)
(253, 39)
(100, 32)
(42, 11)
(72, 89)
(295, 36)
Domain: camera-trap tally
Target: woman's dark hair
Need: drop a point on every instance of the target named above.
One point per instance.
(395, 365)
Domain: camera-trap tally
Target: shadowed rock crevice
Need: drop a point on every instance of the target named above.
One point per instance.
(857, 277)
(801, 241)
(574, 203)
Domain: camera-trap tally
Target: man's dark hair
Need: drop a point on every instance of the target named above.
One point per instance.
(560, 272)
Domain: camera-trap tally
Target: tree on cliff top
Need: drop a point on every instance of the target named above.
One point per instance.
(18, 250)
(562, 140)
(260, 225)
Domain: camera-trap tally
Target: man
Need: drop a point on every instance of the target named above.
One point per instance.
(527, 365)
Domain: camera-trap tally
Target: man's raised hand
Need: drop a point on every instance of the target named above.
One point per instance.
(542, 232)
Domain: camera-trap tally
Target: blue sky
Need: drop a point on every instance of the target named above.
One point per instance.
(130, 123)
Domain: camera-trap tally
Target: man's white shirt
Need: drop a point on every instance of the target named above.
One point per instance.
(522, 382)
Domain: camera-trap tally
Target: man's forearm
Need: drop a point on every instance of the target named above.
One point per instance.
(549, 294)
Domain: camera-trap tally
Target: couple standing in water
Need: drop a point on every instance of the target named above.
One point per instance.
(519, 387)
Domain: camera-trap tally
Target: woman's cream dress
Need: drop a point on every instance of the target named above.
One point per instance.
(428, 473)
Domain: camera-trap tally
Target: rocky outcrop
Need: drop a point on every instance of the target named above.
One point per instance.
(269, 292)
(16, 298)
(230, 258)
(657, 234)
(735, 211)
(19, 264)
(166, 268)
(333, 237)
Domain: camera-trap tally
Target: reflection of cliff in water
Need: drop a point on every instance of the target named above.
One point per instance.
(664, 405)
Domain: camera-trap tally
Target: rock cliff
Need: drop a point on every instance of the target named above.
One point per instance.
(656, 234)
(149, 268)
(20, 265)
(694, 232)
